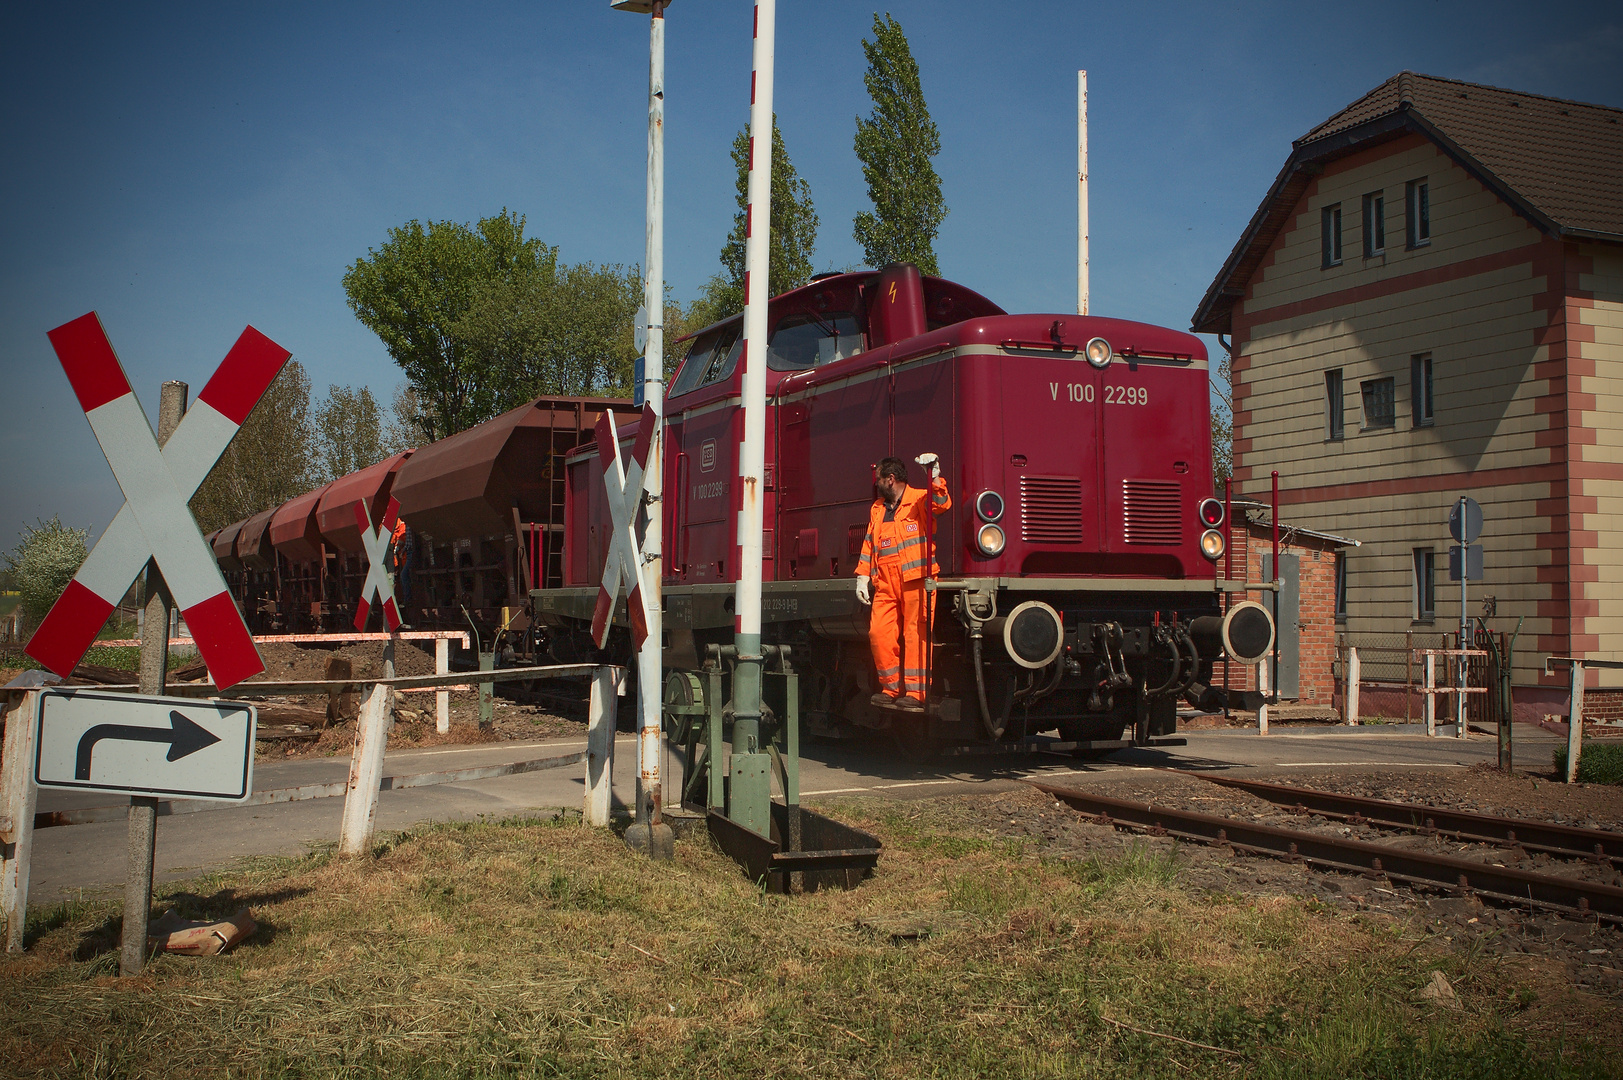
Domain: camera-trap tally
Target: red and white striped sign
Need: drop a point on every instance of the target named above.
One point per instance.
(623, 561)
(379, 582)
(155, 522)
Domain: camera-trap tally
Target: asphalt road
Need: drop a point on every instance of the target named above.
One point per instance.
(84, 859)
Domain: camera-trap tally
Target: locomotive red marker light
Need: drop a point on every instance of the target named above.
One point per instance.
(1099, 352)
(989, 505)
(1211, 513)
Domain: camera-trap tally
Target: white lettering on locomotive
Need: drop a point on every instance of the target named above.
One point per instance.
(709, 491)
(1114, 395)
(707, 456)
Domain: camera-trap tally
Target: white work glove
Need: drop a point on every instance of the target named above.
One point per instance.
(932, 462)
(864, 592)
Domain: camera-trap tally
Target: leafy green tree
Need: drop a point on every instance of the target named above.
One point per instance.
(270, 460)
(1223, 424)
(482, 319)
(348, 433)
(895, 145)
(43, 562)
(435, 295)
(794, 231)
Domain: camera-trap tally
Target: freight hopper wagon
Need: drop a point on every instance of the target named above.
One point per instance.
(486, 512)
(1078, 589)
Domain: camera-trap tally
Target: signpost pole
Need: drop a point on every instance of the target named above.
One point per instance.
(143, 836)
(1459, 707)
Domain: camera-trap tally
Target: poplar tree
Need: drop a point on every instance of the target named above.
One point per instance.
(895, 145)
(794, 231)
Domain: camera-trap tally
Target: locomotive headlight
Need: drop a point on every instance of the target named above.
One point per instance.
(989, 538)
(1211, 513)
(1211, 544)
(1099, 352)
(989, 505)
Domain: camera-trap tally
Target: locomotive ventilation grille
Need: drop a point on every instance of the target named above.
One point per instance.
(1152, 511)
(1051, 509)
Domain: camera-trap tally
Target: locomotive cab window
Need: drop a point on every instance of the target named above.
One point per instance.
(808, 340)
(711, 359)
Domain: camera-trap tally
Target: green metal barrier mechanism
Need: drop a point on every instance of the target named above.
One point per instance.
(732, 764)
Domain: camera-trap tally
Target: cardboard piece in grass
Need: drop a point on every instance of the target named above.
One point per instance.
(155, 522)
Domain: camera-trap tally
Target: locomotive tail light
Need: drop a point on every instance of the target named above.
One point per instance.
(989, 505)
(1211, 513)
(1099, 352)
(989, 538)
(1211, 544)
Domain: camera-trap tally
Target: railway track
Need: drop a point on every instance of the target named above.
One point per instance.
(1565, 895)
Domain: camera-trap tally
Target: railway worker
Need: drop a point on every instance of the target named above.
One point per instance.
(897, 554)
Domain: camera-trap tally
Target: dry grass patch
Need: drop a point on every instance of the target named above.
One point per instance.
(543, 948)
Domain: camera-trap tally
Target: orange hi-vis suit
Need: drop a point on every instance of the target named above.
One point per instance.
(897, 555)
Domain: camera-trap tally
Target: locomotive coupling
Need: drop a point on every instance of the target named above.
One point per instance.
(1245, 633)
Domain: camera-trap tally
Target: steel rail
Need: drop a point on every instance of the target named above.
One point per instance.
(1566, 841)
(1567, 895)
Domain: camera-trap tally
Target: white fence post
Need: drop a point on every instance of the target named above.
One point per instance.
(1354, 675)
(1431, 696)
(1262, 687)
(17, 795)
(442, 698)
(1575, 722)
(606, 686)
(366, 772)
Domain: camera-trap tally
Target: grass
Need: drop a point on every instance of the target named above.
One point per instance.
(1598, 763)
(540, 948)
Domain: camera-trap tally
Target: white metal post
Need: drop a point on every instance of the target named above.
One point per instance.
(17, 795)
(1262, 687)
(1575, 722)
(442, 698)
(600, 746)
(1081, 192)
(752, 454)
(1354, 674)
(1431, 694)
(650, 743)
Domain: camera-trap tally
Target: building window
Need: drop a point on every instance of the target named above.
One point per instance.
(1374, 224)
(1420, 389)
(1380, 400)
(1332, 404)
(1341, 586)
(1418, 213)
(1330, 234)
(1425, 584)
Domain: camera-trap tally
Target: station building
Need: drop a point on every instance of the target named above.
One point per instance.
(1428, 303)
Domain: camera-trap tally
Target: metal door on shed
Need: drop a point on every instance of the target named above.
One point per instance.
(1286, 606)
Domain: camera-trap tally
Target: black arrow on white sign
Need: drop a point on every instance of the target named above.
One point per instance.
(183, 736)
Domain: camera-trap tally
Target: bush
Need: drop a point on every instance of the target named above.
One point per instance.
(1598, 763)
(43, 562)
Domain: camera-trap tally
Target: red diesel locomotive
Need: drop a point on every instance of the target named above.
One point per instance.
(1079, 588)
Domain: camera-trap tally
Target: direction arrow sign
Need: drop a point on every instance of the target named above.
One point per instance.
(129, 744)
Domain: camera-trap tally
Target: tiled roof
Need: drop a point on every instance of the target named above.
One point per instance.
(1564, 158)
(1558, 162)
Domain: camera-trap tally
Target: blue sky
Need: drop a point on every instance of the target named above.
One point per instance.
(185, 169)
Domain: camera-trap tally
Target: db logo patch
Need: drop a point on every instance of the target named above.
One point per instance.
(707, 456)
(912, 526)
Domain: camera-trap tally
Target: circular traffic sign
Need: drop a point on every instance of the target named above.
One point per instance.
(1465, 520)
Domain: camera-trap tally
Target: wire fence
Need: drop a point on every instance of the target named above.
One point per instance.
(1392, 673)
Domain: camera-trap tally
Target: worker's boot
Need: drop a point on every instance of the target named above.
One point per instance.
(910, 704)
(883, 700)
